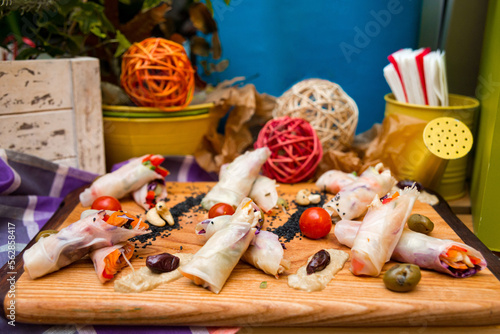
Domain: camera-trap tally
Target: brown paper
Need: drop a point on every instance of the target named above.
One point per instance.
(248, 112)
(390, 143)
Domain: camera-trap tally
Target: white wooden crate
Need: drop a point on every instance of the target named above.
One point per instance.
(52, 109)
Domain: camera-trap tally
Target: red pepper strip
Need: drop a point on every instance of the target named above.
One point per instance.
(388, 199)
(106, 275)
(150, 195)
(147, 158)
(156, 160)
(162, 171)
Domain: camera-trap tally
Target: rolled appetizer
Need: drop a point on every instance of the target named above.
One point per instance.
(149, 194)
(333, 181)
(214, 262)
(446, 256)
(264, 193)
(352, 200)
(265, 252)
(236, 179)
(79, 239)
(380, 232)
(125, 179)
(110, 260)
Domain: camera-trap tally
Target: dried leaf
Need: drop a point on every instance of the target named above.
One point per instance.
(177, 38)
(141, 26)
(202, 19)
(199, 46)
(216, 47)
(221, 66)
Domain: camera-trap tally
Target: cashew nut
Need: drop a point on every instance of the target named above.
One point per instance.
(304, 197)
(164, 212)
(154, 218)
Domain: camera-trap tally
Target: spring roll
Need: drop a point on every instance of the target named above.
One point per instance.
(352, 201)
(149, 194)
(110, 260)
(236, 179)
(264, 193)
(214, 262)
(333, 181)
(125, 179)
(208, 227)
(265, 252)
(380, 232)
(446, 256)
(78, 239)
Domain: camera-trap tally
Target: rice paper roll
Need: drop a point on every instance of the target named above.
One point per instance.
(73, 242)
(446, 256)
(266, 253)
(264, 193)
(108, 261)
(149, 194)
(333, 181)
(353, 200)
(125, 179)
(214, 262)
(208, 227)
(236, 179)
(380, 232)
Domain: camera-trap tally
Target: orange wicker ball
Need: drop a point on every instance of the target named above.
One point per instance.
(295, 149)
(157, 73)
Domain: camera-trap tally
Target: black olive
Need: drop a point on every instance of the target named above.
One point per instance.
(409, 183)
(318, 262)
(162, 263)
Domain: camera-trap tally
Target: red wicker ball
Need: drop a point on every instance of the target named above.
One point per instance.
(295, 149)
(157, 73)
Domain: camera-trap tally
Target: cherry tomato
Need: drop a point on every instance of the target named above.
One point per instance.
(315, 223)
(220, 209)
(106, 203)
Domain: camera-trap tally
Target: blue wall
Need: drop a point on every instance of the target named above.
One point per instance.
(278, 43)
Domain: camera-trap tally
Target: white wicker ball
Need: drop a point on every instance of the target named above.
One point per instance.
(330, 111)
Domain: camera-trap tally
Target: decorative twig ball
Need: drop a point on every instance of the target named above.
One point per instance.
(157, 73)
(330, 111)
(295, 149)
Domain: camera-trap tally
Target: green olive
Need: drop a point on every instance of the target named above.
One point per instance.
(402, 277)
(44, 234)
(420, 223)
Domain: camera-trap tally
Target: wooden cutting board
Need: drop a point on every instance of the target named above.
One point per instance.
(74, 294)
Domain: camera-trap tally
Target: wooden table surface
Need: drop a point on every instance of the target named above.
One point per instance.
(448, 225)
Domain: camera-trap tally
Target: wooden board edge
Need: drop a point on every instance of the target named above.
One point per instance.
(65, 208)
(444, 210)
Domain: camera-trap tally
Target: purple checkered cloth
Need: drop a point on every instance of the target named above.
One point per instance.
(31, 190)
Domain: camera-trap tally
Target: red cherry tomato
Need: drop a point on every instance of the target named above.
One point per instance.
(106, 203)
(315, 223)
(220, 209)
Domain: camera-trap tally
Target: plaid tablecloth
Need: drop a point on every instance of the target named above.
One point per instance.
(31, 190)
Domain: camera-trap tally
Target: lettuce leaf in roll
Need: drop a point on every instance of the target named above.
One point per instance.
(73, 242)
(446, 256)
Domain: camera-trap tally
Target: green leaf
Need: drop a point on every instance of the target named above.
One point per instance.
(28, 53)
(123, 44)
(227, 2)
(210, 7)
(96, 30)
(148, 4)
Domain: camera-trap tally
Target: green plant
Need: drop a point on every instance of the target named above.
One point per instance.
(106, 28)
